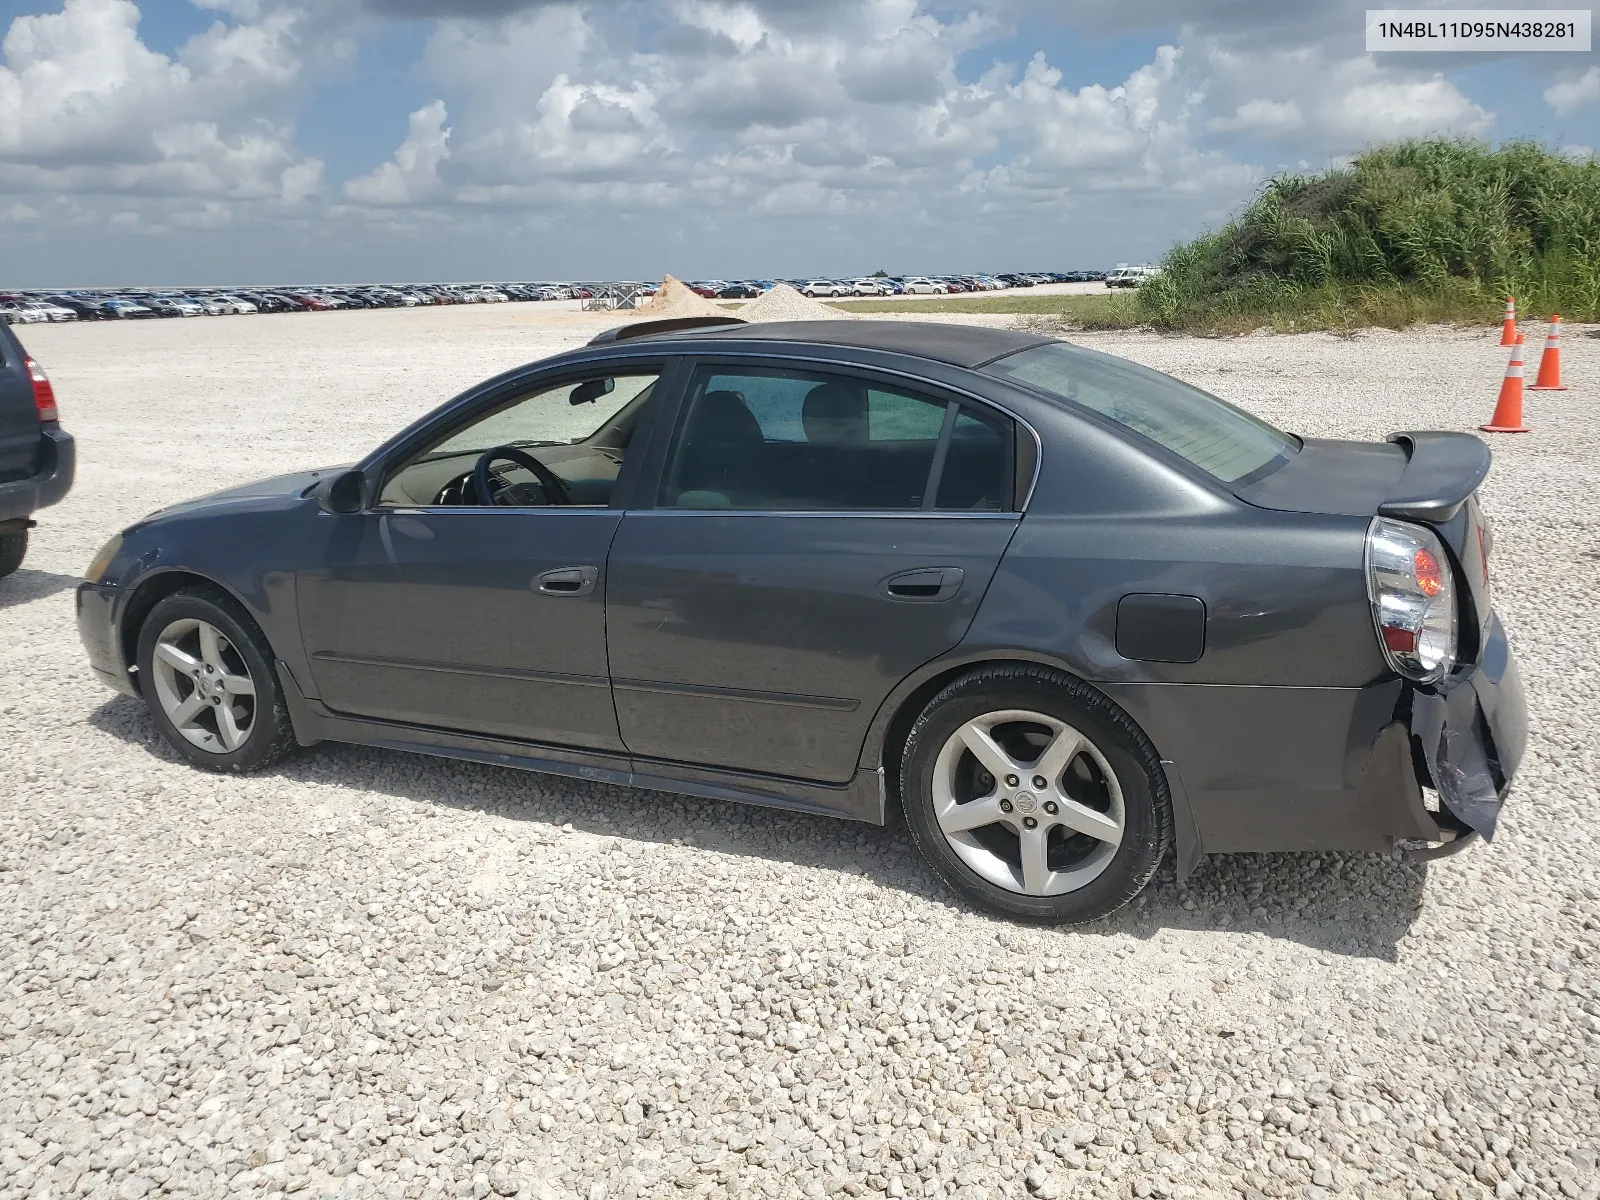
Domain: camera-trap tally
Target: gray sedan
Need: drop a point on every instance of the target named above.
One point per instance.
(1062, 613)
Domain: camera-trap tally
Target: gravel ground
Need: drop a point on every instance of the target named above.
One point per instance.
(368, 973)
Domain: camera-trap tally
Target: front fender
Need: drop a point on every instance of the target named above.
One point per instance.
(247, 553)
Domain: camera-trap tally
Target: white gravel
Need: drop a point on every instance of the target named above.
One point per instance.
(782, 303)
(375, 974)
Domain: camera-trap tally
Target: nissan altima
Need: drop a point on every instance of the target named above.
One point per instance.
(1058, 612)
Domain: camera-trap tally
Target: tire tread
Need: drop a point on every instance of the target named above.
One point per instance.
(13, 549)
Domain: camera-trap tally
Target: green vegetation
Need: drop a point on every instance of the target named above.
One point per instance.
(1421, 231)
(1434, 230)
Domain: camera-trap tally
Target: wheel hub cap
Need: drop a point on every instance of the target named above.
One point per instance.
(203, 685)
(1028, 803)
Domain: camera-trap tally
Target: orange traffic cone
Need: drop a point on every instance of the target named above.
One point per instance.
(1549, 379)
(1508, 327)
(1508, 409)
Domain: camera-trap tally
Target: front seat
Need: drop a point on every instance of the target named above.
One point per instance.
(721, 452)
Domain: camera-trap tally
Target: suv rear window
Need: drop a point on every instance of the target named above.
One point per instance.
(1225, 442)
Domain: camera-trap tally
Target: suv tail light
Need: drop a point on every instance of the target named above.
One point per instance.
(1413, 599)
(44, 396)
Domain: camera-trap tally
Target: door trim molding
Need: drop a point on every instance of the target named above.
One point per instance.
(415, 664)
(879, 514)
(863, 798)
(707, 692)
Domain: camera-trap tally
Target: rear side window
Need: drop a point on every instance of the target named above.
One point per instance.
(796, 440)
(977, 463)
(1225, 442)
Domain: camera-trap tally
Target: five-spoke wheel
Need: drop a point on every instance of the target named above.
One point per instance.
(203, 685)
(1035, 795)
(1028, 802)
(207, 675)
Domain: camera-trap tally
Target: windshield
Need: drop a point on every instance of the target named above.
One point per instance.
(1221, 440)
(547, 418)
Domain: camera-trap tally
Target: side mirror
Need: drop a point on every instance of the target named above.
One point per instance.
(590, 391)
(341, 493)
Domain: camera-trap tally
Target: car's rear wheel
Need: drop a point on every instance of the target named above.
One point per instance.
(1035, 796)
(13, 548)
(207, 676)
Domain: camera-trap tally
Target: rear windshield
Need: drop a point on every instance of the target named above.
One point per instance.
(1220, 439)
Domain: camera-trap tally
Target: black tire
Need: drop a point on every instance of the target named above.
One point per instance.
(13, 547)
(1147, 830)
(271, 734)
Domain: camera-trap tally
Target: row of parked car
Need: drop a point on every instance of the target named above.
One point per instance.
(26, 308)
(35, 307)
(888, 285)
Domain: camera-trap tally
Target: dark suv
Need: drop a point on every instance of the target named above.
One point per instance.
(36, 455)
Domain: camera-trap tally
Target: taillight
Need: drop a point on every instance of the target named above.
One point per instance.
(44, 396)
(1413, 599)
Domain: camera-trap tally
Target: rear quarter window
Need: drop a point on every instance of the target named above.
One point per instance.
(1225, 442)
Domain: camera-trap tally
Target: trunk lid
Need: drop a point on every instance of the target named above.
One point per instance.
(1427, 477)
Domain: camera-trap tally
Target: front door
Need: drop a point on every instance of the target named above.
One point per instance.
(453, 622)
(471, 596)
(815, 537)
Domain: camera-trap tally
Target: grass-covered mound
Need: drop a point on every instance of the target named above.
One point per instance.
(1436, 230)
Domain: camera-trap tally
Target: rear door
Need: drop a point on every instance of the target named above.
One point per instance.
(813, 536)
(19, 419)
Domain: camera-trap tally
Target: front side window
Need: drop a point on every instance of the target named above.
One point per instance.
(1225, 442)
(575, 434)
(795, 440)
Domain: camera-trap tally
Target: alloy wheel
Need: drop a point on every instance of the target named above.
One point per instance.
(1028, 803)
(204, 685)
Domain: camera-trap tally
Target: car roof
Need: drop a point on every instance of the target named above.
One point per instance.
(958, 345)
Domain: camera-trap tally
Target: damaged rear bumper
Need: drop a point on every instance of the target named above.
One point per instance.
(1471, 732)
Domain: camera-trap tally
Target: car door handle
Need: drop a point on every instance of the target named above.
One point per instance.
(925, 584)
(568, 581)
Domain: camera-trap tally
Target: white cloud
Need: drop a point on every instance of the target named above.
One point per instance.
(413, 174)
(768, 128)
(1568, 94)
(1261, 116)
(80, 83)
(1378, 109)
(860, 114)
(86, 106)
(1321, 102)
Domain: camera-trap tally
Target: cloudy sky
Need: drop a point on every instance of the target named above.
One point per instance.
(193, 141)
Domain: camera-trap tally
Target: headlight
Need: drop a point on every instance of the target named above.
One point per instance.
(1413, 599)
(102, 560)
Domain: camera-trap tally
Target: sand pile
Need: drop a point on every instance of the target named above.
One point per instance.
(674, 299)
(783, 303)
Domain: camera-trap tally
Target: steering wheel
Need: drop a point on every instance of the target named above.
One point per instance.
(555, 488)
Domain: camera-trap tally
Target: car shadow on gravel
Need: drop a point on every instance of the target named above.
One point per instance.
(25, 584)
(1358, 905)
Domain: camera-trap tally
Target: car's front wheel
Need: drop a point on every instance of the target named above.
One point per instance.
(206, 673)
(1035, 796)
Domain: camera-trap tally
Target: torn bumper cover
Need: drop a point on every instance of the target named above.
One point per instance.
(1473, 730)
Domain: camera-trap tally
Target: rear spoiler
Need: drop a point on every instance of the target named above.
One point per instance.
(1442, 470)
(620, 333)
